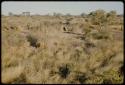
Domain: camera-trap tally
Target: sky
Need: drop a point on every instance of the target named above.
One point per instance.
(74, 8)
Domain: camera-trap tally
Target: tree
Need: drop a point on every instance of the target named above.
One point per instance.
(10, 13)
(68, 14)
(83, 15)
(98, 17)
(111, 16)
(59, 15)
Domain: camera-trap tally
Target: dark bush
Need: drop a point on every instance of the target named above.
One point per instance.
(81, 78)
(33, 41)
(64, 71)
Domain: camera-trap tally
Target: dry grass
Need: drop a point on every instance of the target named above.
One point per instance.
(36, 50)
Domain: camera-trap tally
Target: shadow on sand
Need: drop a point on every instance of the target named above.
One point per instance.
(79, 35)
(75, 33)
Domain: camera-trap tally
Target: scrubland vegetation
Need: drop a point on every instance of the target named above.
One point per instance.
(86, 49)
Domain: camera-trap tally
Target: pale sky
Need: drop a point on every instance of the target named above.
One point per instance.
(64, 7)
